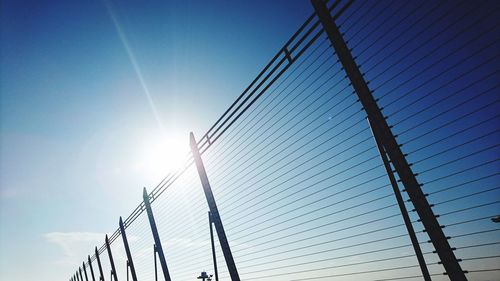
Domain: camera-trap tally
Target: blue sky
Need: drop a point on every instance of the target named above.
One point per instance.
(76, 120)
(97, 99)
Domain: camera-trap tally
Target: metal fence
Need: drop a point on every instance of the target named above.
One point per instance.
(307, 164)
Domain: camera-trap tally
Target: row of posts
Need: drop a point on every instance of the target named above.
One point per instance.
(389, 151)
(213, 219)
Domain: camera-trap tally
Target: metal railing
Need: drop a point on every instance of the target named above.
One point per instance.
(297, 174)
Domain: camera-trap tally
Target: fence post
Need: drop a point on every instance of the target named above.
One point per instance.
(226, 250)
(91, 269)
(112, 263)
(130, 263)
(99, 264)
(85, 271)
(402, 208)
(80, 270)
(156, 237)
(382, 130)
(156, 265)
(216, 273)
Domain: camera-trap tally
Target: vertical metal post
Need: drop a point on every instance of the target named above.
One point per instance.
(113, 270)
(402, 208)
(77, 278)
(130, 263)
(80, 271)
(156, 265)
(101, 278)
(216, 273)
(392, 148)
(127, 265)
(156, 237)
(91, 269)
(85, 271)
(226, 250)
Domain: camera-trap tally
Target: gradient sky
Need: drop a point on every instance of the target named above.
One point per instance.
(88, 89)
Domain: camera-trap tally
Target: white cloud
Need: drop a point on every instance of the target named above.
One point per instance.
(75, 245)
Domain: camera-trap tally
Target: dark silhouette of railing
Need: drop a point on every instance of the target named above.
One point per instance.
(366, 149)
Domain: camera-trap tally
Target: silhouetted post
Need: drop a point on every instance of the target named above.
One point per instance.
(226, 250)
(108, 248)
(80, 271)
(216, 273)
(402, 208)
(85, 271)
(156, 237)
(130, 263)
(91, 269)
(383, 132)
(101, 278)
(156, 265)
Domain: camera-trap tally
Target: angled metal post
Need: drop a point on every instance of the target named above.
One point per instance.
(226, 250)
(216, 273)
(382, 130)
(156, 237)
(101, 278)
(77, 276)
(402, 208)
(91, 269)
(112, 263)
(85, 271)
(130, 263)
(80, 271)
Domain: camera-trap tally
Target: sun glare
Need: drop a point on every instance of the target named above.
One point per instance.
(161, 155)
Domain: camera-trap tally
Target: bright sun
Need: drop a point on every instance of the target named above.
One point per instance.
(161, 155)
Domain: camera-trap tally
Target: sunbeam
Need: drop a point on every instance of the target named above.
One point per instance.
(133, 61)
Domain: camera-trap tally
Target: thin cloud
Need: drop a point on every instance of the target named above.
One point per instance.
(75, 245)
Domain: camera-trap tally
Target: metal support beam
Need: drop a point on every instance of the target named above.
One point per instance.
(226, 250)
(156, 237)
(80, 271)
(101, 278)
(77, 278)
(382, 130)
(156, 264)
(130, 263)
(85, 271)
(402, 208)
(91, 269)
(111, 262)
(210, 221)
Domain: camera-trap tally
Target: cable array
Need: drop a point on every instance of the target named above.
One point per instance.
(301, 189)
